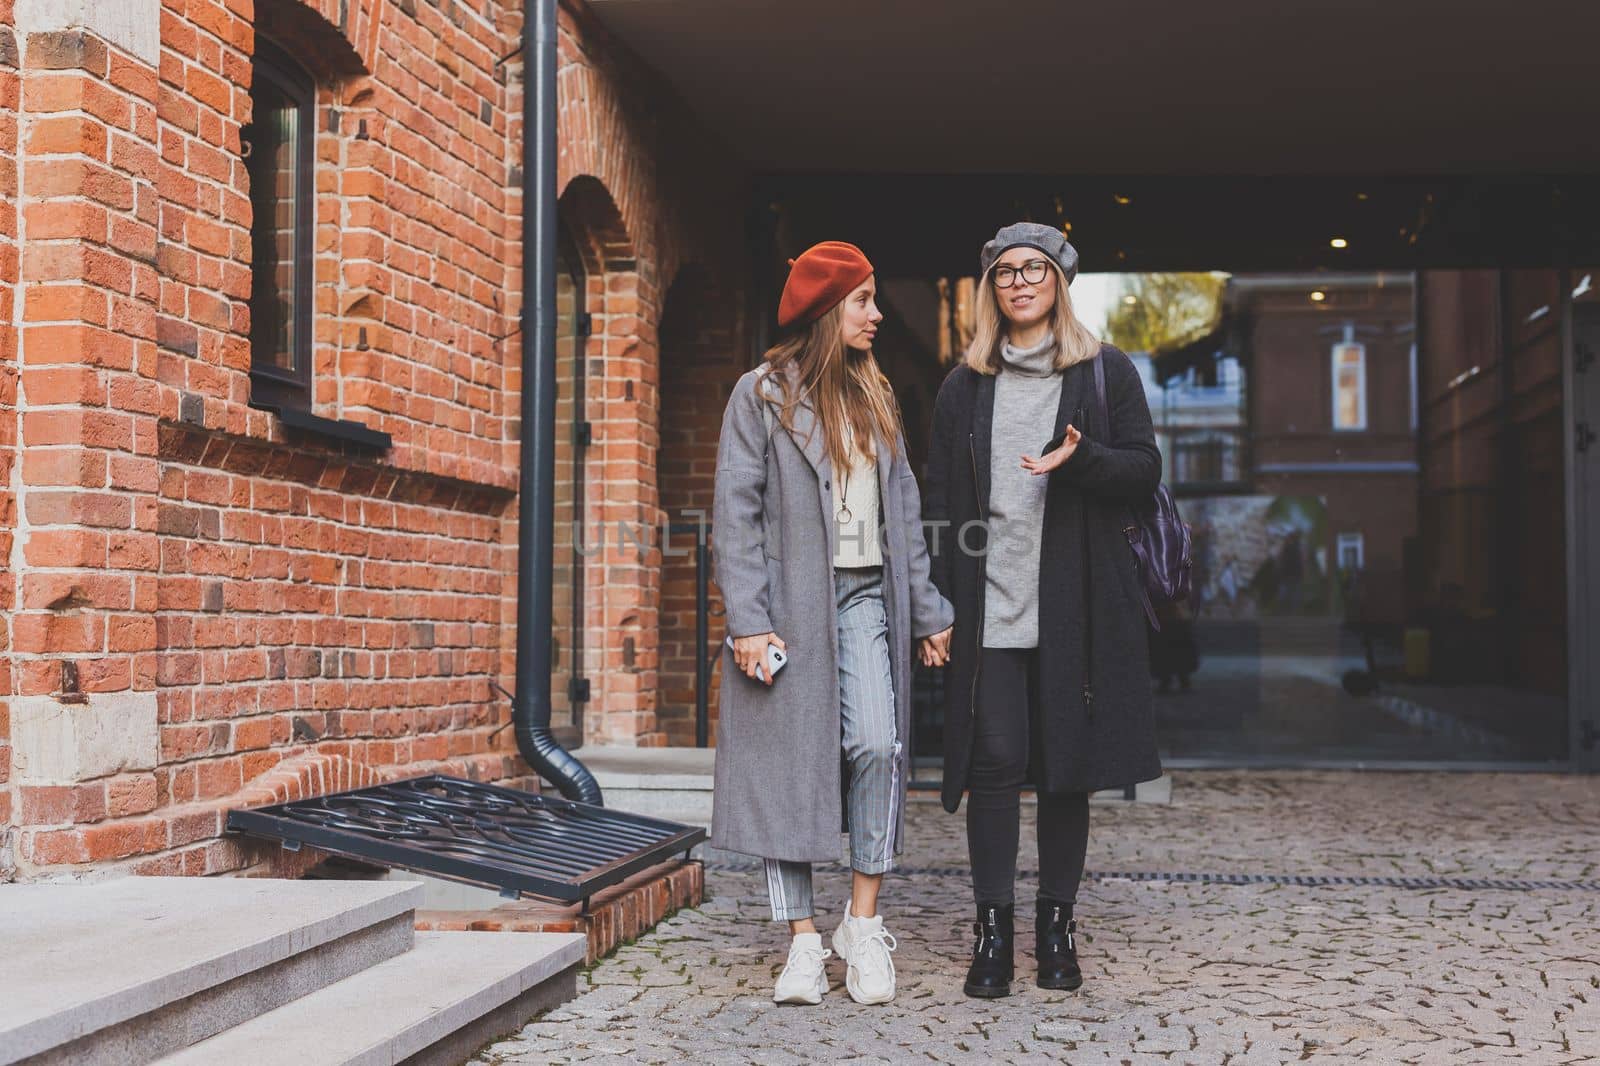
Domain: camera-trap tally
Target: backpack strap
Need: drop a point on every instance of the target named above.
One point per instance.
(1105, 419)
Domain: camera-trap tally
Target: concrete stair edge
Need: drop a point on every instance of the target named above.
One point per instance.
(401, 1007)
(203, 970)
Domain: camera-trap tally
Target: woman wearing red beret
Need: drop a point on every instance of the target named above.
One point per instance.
(821, 560)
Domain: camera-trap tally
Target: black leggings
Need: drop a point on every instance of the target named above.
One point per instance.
(1006, 705)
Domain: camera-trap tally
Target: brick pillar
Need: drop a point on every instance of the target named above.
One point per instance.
(622, 401)
(83, 632)
(625, 403)
(10, 100)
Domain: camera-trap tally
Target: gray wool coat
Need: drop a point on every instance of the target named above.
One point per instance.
(779, 785)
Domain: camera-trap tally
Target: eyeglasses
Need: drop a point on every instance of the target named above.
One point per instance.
(1033, 272)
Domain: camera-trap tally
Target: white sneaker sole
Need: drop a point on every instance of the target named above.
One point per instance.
(867, 1001)
(800, 999)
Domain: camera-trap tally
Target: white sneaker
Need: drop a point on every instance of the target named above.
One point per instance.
(865, 945)
(803, 979)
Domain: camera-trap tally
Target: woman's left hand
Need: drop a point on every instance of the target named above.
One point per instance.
(935, 650)
(1051, 460)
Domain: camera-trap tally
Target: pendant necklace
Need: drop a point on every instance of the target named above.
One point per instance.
(844, 516)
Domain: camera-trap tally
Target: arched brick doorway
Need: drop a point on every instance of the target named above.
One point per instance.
(605, 581)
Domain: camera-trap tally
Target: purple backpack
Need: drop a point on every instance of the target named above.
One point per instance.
(1160, 540)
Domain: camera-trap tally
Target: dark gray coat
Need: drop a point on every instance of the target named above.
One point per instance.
(1084, 744)
(778, 789)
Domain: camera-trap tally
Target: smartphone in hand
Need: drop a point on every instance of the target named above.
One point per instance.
(775, 661)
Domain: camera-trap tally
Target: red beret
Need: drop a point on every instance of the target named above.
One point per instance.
(823, 275)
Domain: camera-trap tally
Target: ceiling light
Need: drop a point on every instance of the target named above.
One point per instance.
(1123, 201)
(1318, 296)
(1130, 300)
(1338, 242)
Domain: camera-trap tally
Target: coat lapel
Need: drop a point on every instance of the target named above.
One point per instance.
(805, 427)
(1068, 406)
(805, 430)
(889, 500)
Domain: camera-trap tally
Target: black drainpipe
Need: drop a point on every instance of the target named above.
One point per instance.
(530, 708)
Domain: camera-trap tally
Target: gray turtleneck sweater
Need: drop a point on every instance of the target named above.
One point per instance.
(1027, 392)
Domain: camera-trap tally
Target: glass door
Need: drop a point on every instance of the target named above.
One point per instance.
(1585, 488)
(1373, 467)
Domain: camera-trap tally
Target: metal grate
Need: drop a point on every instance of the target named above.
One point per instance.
(484, 834)
(1491, 884)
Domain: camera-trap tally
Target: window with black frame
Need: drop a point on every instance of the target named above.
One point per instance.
(279, 154)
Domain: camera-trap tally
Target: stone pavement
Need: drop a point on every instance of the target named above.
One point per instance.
(1177, 972)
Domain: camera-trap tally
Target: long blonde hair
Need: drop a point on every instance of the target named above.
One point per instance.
(1074, 341)
(851, 396)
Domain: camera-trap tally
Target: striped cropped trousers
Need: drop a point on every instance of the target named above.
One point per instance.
(868, 738)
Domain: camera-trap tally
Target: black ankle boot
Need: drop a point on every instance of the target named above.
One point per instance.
(989, 977)
(1054, 947)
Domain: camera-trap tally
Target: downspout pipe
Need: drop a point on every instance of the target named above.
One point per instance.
(530, 706)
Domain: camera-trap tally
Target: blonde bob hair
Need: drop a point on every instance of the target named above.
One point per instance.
(1074, 342)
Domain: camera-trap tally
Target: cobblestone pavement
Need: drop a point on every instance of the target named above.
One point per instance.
(1176, 971)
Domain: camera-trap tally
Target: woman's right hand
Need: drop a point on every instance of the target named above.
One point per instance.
(751, 652)
(935, 650)
(1053, 459)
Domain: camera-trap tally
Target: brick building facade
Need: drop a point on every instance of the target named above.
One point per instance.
(220, 583)
(1366, 474)
(205, 604)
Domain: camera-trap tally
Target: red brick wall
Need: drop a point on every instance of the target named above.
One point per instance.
(1291, 341)
(206, 595)
(700, 360)
(638, 235)
(10, 99)
(83, 625)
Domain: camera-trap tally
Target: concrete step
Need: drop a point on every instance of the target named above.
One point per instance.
(676, 783)
(125, 971)
(670, 783)
(438, 1003)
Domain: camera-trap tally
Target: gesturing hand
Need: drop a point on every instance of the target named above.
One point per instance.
(1050, 460)
(751, 652)
(935, 650)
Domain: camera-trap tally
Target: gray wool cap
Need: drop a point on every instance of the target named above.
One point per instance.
(1046, 239)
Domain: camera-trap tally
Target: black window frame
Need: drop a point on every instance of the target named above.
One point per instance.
(272, 385)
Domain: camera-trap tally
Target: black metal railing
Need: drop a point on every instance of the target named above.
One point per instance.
(702, 627)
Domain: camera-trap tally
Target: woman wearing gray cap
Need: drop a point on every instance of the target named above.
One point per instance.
(1026, 499)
